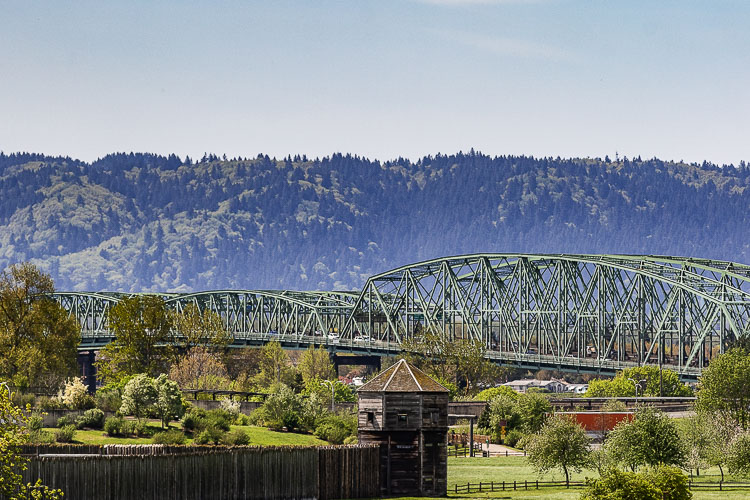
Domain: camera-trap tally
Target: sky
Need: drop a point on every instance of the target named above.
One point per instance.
(379, 78)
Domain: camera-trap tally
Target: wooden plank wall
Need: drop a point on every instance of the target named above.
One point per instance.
(186, 472)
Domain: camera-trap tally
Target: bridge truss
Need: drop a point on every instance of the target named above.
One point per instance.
(595, 313)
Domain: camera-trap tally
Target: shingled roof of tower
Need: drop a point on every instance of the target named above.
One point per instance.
(402, 377)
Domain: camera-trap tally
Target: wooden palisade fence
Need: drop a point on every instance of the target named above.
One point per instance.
(196, 472)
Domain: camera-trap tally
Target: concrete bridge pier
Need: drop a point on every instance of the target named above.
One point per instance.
(87, 369)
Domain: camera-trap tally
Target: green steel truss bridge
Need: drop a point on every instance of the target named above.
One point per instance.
(591, 313)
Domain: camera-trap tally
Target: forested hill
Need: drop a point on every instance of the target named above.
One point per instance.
(139, 222)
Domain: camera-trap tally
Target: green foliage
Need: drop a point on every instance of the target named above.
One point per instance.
(171, 436)
(108, 399)
(493, 392)
(35, 423)
(725, 386)
(342, 393)
(662, 483)
(561, 443)
(13, 433)
(282, 409)
(141, 325)
(651, 438)
(38, 338)
(65, 420)
(199, 329)
(113, 426)
(93, 418)
(209, 435)
(65, 434)
(168, 402)
(620, 386)
(738, 456)
(274, 366)
(335, 429)
(138, 396)
(532, 409)
(704, 438)
(315, 364)
(237, 437)
(513, 437)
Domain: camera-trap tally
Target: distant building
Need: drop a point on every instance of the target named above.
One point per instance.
(524, 385)
(577, 388)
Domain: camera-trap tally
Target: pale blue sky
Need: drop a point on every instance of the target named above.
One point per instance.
(377, 78)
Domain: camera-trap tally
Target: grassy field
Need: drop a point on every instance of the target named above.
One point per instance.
(509, 469)
(258, 436)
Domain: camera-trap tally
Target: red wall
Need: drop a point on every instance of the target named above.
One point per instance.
(599, 421)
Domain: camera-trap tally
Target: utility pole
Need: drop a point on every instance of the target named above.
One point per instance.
(332, 385)
(637, 385)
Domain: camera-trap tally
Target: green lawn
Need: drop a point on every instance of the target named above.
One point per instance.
(259, 436)
(509, 469)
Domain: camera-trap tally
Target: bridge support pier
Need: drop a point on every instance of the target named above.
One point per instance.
(87, 369)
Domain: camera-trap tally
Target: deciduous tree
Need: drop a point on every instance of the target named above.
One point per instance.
(168, 403)
(561, 443)
(143, 342)
(199, 329)
(138, 396)
(724, 387)
(38, 338)
(316, 364)
(651, 438)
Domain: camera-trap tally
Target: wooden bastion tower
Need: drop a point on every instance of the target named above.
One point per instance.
(406, 413)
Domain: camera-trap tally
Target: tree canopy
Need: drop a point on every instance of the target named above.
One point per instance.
(38, 338)
(143, 344)
(561, 443)
(724, 387)
(621, 386)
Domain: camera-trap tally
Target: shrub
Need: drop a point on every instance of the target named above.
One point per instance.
(108, 399)
(128, 427)
(335, 429)
(672, 482)
(75, 395)
(48, 403)
(351, 440)
(65, 434)
(93, 418)
(493, 392)
(65, 420)
(513, 437)
(230, 406)
(41, 437)
(23, 400)
(282, 409)
(171, 436)
(140, 428)
(663, 483)
(242, 419)
(237, 437)
(257, 417)
(35, 423)
(113, 426)
(209, 435)
(221, 419)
